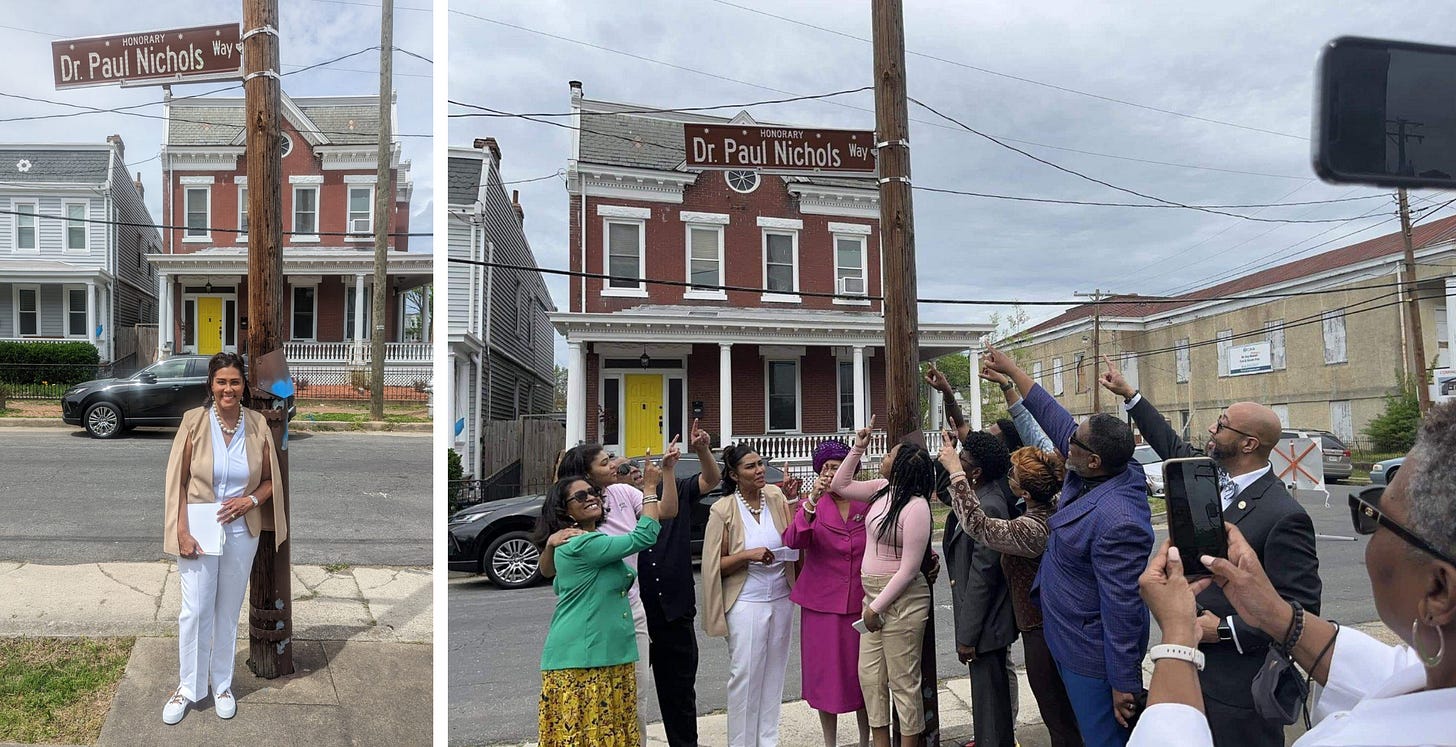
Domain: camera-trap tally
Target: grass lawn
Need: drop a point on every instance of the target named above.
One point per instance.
(1158, 505)
(58, 690)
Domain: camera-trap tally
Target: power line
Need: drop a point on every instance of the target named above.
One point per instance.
(557, 174)
(1143, 204)
(1019, 78)
(495, 113)
(218, 229)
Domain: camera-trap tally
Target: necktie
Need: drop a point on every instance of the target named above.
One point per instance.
(1227, 488)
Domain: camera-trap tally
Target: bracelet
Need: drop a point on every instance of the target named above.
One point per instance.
(1296, 629)
(1326, 649)
(1174, 651)
(1132, 397)
(957, 473)
(809, 507)
(654, 499)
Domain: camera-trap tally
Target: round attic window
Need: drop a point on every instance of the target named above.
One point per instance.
(287, 146)
(742, 181)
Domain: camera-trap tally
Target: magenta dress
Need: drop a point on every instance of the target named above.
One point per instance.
(831, 598)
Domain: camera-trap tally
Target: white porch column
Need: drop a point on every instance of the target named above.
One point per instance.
(861, 405)
(975, 403)
(1451, 322)
(725, 393)
(427, 334)
(164, 315)
(576, 404)
(91, 316)
(937, 412)
(359, 301)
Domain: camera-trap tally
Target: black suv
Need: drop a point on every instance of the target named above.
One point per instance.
(156, 395)
(493, 537)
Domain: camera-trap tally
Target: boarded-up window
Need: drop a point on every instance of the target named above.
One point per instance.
(1036, 372)
(1283, 412)
(1333, 323)
(1129, 367)
(1057, 376)
(1443, 338)
(1180, 352)
(1274, 331)
(1341, 424)
(1225, 344)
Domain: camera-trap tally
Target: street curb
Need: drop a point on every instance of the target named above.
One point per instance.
(298, 425)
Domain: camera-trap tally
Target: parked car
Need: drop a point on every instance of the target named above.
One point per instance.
(1153, 466)
(1381, 473)
(1336, 454)
(493, 537)
(156, 395)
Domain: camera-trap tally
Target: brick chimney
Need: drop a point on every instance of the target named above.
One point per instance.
(141, 191)
(120, 146)
(491, 145)
(576, 92)
(516, 203)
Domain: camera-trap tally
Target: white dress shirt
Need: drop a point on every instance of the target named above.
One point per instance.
(1373, 698)
(229, 467)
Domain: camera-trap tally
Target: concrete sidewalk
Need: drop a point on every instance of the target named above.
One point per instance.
(363, 653)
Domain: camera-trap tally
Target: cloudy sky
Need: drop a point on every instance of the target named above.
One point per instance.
(1248, 65)
(312, 31)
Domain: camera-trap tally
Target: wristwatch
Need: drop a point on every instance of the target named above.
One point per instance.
(254, 499)
(1171, 651)
(1006, 385)
(1225, 633)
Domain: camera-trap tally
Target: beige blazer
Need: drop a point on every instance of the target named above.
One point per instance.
(724, 536)
(195, 479)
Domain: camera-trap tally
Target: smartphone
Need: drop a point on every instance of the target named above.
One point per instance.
(1195, 512)
(860, 626)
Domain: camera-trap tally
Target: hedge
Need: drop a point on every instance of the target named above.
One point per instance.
(49, 362)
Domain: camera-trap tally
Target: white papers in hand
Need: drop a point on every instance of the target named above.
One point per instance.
(205, 528)
(784, 554)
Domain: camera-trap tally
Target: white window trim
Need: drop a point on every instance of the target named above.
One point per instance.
(798, 394)
(771, 296)
(860, 229)
(791, 224)
(313, 179)
(242, 236)
(1272, 327)
(1225, 346)
(66, 325)
(641, 223)
(1181, 349)
(716, 294)
(1058, 381)
(206, 189)
(361, 179)
(1036, 373)
(293, 287)
(66, 220)
(318, 210)
(623, 211)
(34, 214)
(349, 290)
(39, 318)
(720, 219)
(864, 260)
(348, 219)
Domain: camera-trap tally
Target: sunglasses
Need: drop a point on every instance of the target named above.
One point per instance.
(582, 495)
(1366, 515)
(1078, 442)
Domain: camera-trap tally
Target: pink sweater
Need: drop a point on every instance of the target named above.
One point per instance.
(902, 562)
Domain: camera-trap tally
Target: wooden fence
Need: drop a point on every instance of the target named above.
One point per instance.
(534, 442)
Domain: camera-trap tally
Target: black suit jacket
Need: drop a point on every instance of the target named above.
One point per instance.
(980, 597)
(1280, 531)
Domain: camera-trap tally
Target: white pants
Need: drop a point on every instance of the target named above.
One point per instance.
(644, 664)
(207, 628)
(758, 651)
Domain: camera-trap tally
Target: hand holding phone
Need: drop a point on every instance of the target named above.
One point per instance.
(1195, 512)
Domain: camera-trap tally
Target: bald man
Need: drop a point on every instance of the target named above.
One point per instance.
(1277, 527)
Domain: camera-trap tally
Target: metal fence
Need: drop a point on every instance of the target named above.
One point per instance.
(48, 380)
(401, 383)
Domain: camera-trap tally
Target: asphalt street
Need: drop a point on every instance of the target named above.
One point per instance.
(357, 498)
(496, 637)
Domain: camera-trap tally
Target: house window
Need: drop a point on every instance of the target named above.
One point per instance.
(526, 303)
(849, 266)
(1443, 339)
(624, 255)
(25, 225)
(1130, 368)
(75, 227)
(1333, 323)
(783, 396)
(75, 312)
(305, 212)
(303, 312)
(1184, 365)
(350, 310)
(242, 213)
(1057, 376)
(780, 272)
(1225, 346)
(361, 210)
(1281, 412)
(196, 203)
(1036, 372)
(705, 261)
(27, 311)
(1274, 331)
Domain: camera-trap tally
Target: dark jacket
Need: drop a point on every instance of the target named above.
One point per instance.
(1280, 531)
(980, 596)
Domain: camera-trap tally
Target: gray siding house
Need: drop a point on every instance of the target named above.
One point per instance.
(68, 270)
(501, 339)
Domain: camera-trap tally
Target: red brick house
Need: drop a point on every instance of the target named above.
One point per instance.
(762, 361)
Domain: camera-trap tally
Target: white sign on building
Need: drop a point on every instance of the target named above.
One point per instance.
(1443, 385)
(1250, 359)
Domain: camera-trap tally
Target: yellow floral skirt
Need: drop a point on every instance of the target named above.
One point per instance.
(589, 707)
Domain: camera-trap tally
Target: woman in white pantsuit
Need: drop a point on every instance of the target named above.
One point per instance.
(746, 583)
(223, 454)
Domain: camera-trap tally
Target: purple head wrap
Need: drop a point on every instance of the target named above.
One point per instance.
(828, 451)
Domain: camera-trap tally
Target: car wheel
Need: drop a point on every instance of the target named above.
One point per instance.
(511, 561)
(103, 420)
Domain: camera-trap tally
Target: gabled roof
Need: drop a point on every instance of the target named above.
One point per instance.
(54, 164)
(1389, 245)
(218, 121)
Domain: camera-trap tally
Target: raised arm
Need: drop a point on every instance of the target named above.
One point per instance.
(844, 483)
(1049, 414)
(940, 383)
(701, 443)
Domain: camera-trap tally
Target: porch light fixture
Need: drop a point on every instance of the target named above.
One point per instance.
(645, 360)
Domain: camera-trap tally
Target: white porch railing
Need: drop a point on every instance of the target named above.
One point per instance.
(360, 353)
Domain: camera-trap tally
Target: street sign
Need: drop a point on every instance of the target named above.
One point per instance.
(1250, 359)
(779, 150)
(190, 55)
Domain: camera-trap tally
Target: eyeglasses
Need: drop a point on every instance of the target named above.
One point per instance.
(1078, 442)
(1222, 425)
(582, 495)
(1366, 515)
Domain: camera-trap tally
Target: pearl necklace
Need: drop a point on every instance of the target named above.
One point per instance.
(757, 512)
(225, 429)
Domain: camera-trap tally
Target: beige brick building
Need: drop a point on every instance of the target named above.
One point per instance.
(1322, 360)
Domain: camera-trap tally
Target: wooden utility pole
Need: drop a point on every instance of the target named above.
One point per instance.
(383, 197)
(1413, 310)
(1096, 296)
(270, 616)
(897, 237)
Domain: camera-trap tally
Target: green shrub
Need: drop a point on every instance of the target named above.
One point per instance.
(1395, 429)
(63, 363)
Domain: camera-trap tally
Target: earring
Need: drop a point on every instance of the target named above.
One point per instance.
(1429, 661)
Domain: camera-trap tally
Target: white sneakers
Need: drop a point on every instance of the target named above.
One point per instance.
(176, 707)
(225, 705)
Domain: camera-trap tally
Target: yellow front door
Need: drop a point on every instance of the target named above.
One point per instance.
(644, 413)
(209, 325)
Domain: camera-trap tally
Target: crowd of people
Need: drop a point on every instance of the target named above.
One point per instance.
(1049, 540)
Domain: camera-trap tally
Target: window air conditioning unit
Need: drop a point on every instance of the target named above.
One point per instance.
(359, 225)
(851, 286)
